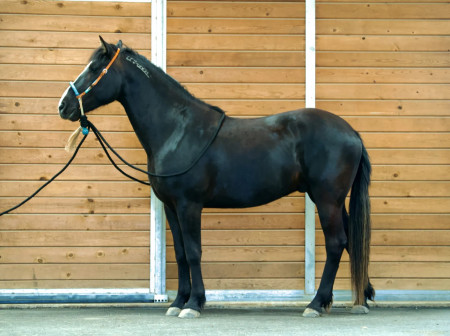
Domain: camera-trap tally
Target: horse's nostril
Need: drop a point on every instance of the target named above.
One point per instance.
(62, 106)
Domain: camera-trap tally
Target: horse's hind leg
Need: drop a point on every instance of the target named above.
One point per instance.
(330, 215)
(184, 282)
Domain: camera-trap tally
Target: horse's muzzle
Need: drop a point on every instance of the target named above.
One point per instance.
(68, 113)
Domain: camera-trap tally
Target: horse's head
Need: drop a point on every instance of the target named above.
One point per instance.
(93, 91)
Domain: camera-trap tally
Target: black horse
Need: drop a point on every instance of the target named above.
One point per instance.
(235, 163)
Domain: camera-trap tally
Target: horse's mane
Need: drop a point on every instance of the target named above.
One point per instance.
(159, 74)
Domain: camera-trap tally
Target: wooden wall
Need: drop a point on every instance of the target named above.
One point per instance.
(90, 228)
(246, 57)
(384, 67)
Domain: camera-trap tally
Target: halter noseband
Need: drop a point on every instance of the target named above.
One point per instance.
(79, 96)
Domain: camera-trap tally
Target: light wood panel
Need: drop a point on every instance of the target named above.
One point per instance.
(380, 59)
(46, 44)
(383, 66)
(137, 156)
(49, 7)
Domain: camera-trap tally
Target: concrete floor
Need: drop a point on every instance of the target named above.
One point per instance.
(230, 321)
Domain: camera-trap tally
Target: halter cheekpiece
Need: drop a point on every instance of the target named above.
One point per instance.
(79, 96)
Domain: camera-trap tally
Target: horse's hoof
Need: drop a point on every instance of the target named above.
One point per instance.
(360, 310)
(173, 311)
(189, 314)
(309, 312)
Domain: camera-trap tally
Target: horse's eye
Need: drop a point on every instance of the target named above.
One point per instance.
(93, 67)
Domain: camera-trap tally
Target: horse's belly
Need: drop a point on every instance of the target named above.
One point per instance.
(253, 188)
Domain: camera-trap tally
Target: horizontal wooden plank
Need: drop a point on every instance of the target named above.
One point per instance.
(119, 24)
(296, 253)
(406, 140)
(59, 155)
(77, 188)
(382, 91)
(235, 25)
(258, 91)
(252, 107)
(172, 284)
(397, 253)
(409, 156)
(109, 173)
(75, 255)
(249, 284)
(374, 1)
(399, 284)
(236, 9)
(250, 238)
(386, 107)
(246, 75)
(233, 58)
(63, 222)
(247, 253)
(396, 270)
(410, 189)
(243, 238)
(381, 59)
(17, 155)
(382, 75)
(186, 75)
(48, 106)
(215, 271)
(77, 40)
(202, 91)
(211, 221)
(410, 221)
(410, 173)
(284, 205)
(85, 40)
(410, 205)
(294, 269)
(403, 238)
(381, 27)
(92, 222)
(124, 141)
(382, 43)
(75, 238)
(298, 283)
(235, 42)
(80, 205)
(399, 124)
(104, 8)
(382, 11)
(52, 284)
(68, 23)
(132, 206)
(50, 55)
(74, 272)
(133, 189)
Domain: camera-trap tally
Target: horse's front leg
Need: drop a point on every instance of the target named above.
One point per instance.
(184, 282)
(189, 216)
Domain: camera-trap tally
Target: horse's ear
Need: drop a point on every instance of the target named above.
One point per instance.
(104, 44)
(119, 44)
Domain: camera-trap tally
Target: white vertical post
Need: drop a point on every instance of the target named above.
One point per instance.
(310, 102)
(158, 218)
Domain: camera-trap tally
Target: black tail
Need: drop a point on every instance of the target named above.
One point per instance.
(359, 231)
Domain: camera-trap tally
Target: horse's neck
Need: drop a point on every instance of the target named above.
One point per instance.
(165, 122)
